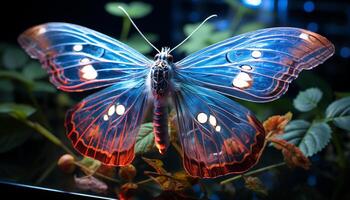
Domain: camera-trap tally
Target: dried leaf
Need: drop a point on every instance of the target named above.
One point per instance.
(127, 172)
(293, 156)
(156, 164)
(107, 170)
(275, 125)
(177, 182)
(127, 190)
(255, 184)
(90, 165)
(90, 183)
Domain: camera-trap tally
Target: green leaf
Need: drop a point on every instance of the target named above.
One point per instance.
(339, 113)
(138, 43)
(6, 86)
(135, 9)
(14, 57)
(33, 70)
(13, 75)
(310, 138)
(41, 86)
(308, 99)
(145, 139)
(12, 134)
(249, 27)
(17, 110)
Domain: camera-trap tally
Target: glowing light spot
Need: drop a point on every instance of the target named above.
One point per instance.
(78, 47)
(218, 128)
(41, 30)
(246, 67)
(88, 72)
(105, 117)
(309, 6)
(85, 60)
(212, 120)
(120, 109)
(242, 81)
(252, 2)
(111, 110)
(304, 36)
(202, 117)
(256, 54)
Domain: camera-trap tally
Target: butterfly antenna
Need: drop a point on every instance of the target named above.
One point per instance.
(133, 23)
(200, 25)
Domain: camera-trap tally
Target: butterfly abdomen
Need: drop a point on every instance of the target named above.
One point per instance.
(160, 126)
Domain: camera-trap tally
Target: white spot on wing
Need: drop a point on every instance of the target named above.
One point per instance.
(88, 72)
(212, 120)
(304, 36)
(202, 117)
(246, 67)
(111, 110)
(256, 54)
(78, 47)
(218, 128)
(41, 30)
(85, 60)
(105, 117)
(242, 80)
(120, 109)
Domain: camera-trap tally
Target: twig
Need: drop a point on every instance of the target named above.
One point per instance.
(253, 172)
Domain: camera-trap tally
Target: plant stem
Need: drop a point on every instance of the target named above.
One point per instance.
(125, 29)
(253, 172)
(144, 181)
(97, 173)
(46, 172)
(48, 135)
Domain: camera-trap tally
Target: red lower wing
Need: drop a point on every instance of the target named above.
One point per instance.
(104, 125)
(218, 136)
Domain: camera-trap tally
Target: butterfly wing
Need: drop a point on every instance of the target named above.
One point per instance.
(256, 66)
(218, 136)
(104, 125)
(78, 58)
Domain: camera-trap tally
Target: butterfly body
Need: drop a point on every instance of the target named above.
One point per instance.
(218, 136)
(161, 86)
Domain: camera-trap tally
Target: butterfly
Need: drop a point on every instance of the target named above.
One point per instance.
(218, 136)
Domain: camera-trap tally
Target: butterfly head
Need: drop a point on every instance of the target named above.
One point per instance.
(164, 56)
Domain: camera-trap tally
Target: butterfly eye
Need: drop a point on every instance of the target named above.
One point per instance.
(156, 57)
(170, 58)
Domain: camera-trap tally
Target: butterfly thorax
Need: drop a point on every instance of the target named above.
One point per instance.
(161, 72)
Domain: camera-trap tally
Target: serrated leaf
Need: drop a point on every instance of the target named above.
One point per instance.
(17, 110)
(339, 113)
(33, 70)
(135, 9)
(308, 99)
(145, 139)
(310, 138)
(14, 57)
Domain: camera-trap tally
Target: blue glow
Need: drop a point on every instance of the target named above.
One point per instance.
(311, 180)
(312, 26)
(222, 24)
(345, 52)
(252, 2)
(309, 6)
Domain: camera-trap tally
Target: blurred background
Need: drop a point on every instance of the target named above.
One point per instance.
(27, 157)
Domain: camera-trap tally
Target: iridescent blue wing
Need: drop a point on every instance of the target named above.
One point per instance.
(218, 136)
(78, 58)
(256, 66)
(104, 125)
